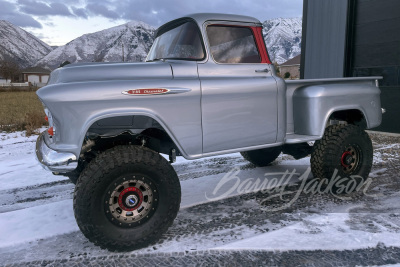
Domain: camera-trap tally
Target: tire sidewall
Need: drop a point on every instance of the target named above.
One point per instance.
(99, 228)
(113, 231)
(365, 149)
(326, 158)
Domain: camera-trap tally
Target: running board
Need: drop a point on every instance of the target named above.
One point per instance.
(298, 138)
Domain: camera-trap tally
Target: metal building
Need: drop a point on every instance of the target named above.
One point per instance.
(353, 38)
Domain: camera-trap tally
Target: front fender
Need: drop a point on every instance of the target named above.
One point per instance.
(76, 106)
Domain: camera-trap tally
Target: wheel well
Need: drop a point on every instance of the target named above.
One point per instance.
(350, 116)
(159, 140)
(127, 130)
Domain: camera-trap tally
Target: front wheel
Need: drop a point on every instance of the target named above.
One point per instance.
(344, 153)
(126, 198)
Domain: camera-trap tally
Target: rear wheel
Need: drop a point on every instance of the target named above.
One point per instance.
(262, 157)
(126, 198)
(344, 151)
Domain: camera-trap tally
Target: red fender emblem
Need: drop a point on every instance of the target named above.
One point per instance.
(150, 91)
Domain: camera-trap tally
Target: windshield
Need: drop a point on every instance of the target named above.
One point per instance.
(183, 42)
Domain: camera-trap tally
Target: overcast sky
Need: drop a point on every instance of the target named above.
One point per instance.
(59, 21)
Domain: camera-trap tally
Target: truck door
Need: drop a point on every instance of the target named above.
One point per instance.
(239, 93)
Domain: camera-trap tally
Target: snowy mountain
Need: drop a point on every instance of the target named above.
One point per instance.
(21, 46)
(134, 38)
(283, 38)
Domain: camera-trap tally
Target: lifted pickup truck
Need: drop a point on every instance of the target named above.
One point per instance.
(207, 88)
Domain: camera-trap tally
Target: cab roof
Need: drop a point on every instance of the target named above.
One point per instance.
(201, 18)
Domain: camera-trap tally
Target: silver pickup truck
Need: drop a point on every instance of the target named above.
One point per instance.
(207, 88)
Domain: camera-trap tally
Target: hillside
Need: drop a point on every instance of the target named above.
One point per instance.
(105, 46)
(283, 38)
(18, 45)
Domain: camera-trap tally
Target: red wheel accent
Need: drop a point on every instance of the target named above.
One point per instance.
(345, 154)
(132, 190)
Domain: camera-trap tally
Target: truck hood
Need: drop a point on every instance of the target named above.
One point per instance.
(84, 72)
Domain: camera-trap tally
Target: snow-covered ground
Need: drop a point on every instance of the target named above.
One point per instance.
(221, 209)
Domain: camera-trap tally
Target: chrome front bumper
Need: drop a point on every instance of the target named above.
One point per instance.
(52, 160)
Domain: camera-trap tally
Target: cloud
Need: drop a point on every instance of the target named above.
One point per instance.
(101, 10)
(60, 9)
(157, 12)
(79, 12)
(9, 12)
(29, 13)
(50, 24)
(69, 2)
(37, 8)
(39, 35)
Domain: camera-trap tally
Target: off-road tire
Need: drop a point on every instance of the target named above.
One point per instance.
(338, 143)
(262, 157)
(93, 191)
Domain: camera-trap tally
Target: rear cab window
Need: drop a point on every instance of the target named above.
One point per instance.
(232, 44)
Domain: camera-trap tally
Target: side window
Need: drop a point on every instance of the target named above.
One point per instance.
(232, 44)
(182, 42)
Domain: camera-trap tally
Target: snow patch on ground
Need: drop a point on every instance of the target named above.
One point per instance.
(327, 232)
(44, 222)
(18, 164)
(35, 223)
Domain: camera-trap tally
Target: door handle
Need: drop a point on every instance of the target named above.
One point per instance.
(263, 70)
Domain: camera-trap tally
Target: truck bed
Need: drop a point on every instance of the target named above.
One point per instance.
(294, 134)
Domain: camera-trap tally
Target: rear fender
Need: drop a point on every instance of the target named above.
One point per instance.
(313, 105)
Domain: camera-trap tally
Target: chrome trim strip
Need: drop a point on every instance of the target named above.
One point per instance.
(52, 160)
(177, 90)
(334, 80)
(169, 90)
